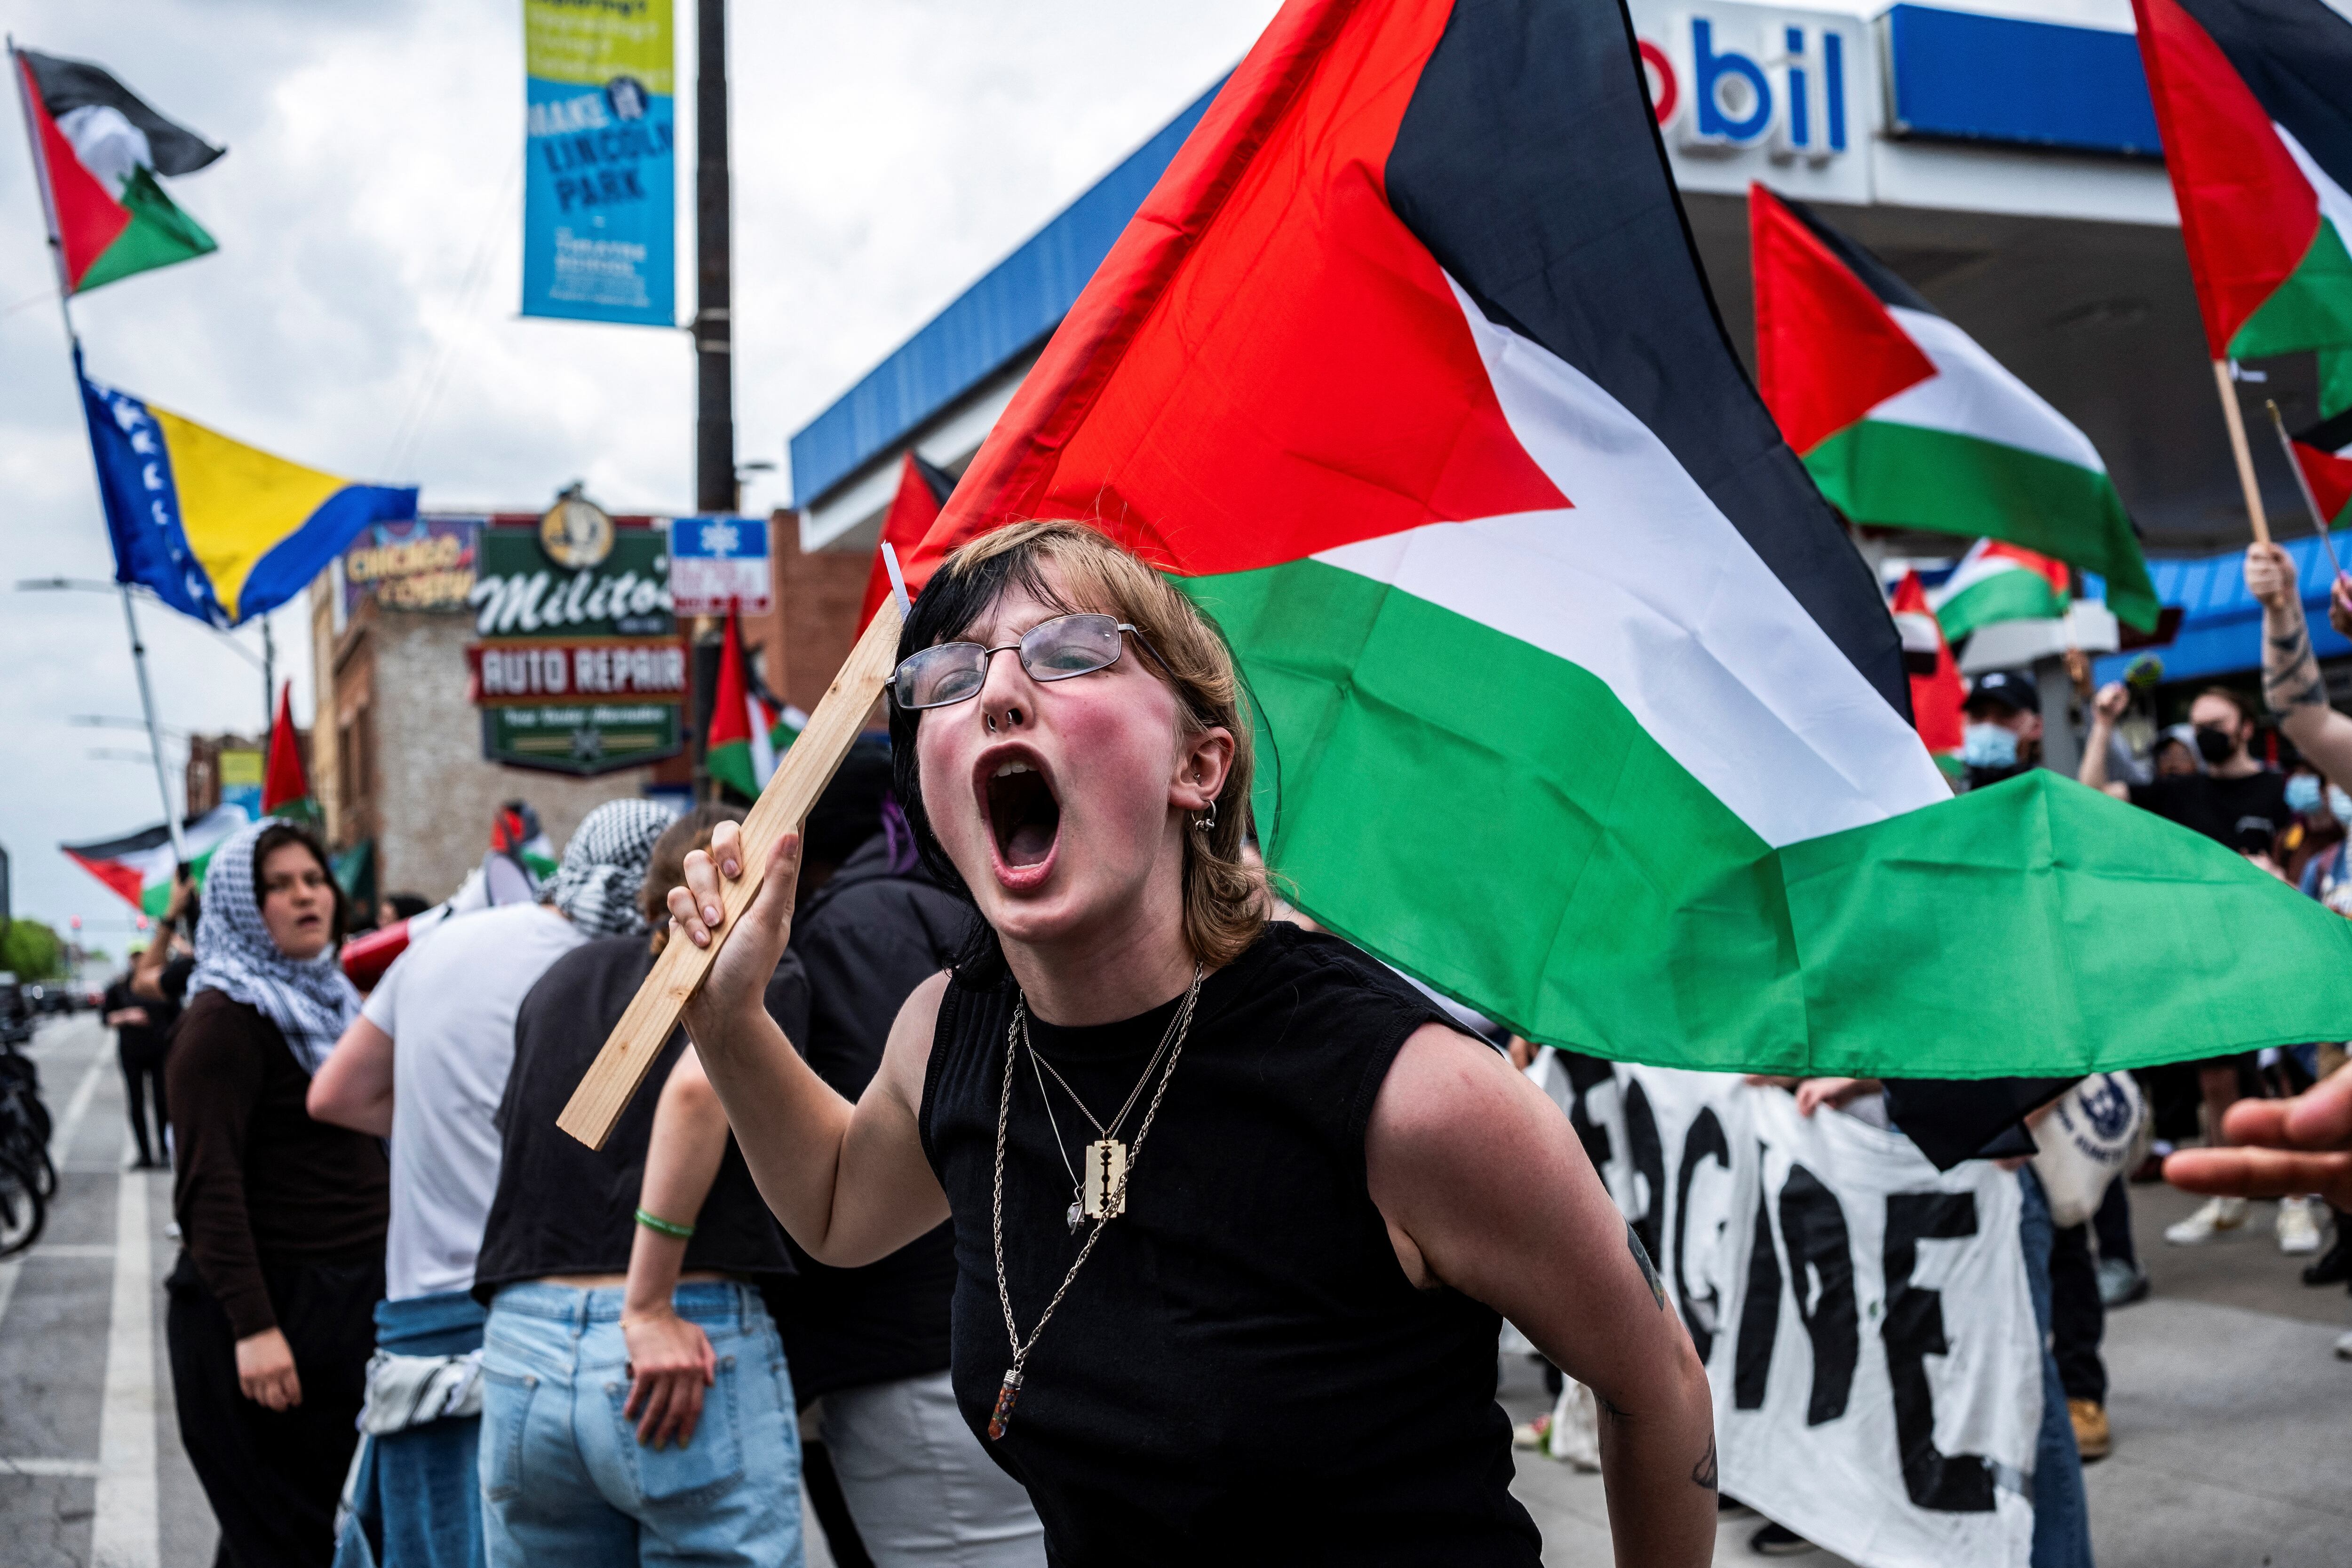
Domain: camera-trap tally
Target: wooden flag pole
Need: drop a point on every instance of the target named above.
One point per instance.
(2239, 450)
(653, 1015)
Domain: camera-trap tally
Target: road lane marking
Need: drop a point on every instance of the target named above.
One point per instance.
(124, 1533)
(73, 1470)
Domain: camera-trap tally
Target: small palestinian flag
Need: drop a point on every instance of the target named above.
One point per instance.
(99, 149)
(1904, 422)
(285, 786)
(1997, 582)
(923, 489)
(1937, 690)
(748, 732)
(2324, 453)
(139, 866)
(2254, 102)
(1577, 703)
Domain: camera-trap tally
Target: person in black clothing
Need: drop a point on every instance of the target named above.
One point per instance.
(2002, 736)
(271, 1320)
(1237, 1211)
(555, 1265)
(141, 1031)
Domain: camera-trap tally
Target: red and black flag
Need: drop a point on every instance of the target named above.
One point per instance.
(98, 147)
(923, 488)
(2254, 102)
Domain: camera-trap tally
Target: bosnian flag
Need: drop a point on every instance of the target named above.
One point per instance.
(2254, 102)
(1937, 690)
(1904, 422)
(139, 866)
(2324, 453)
(97, 148)
(1577, 703)
(923, 488)
(1999, 581)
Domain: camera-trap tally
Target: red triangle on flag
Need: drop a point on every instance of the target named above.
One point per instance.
(1269, 364)
(913, 509)
(1937, 694)
(88, 217)
(1827, 352)
(285, 782)
(2330, 479)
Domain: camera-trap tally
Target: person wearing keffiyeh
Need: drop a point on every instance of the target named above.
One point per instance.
(283, 1218)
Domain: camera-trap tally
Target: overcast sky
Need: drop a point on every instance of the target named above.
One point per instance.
(886, 153)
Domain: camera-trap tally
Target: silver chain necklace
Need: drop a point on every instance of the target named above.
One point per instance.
(1108, 1155)
(1104, 1197)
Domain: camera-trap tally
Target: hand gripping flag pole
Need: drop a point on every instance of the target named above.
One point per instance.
(800, 778)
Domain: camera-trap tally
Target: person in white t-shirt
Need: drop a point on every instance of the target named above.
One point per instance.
(445, 1014)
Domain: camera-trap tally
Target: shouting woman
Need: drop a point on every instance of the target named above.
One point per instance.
(1237, 1213)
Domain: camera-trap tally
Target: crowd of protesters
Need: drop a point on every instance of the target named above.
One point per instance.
(414, 1323)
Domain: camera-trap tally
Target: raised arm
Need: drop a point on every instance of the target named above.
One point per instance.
(1487, 1190)
(2106, 708)
(849, 1182)
(670, 1360)
(2292, 686)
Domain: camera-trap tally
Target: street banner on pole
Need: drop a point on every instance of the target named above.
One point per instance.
(599, 208)
(1863, 1318)
(718, 564)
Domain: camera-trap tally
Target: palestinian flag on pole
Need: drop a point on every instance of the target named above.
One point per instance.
(2324, 453)
(1577, 703)
(97, 148)
(923, 489)
(1937, 691)
(2254, 102)
(747, 731)
(1906, 423)
(138, 867)
(1997, 582)
(285, 786)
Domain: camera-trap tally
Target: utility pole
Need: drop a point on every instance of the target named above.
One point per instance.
(714, 404)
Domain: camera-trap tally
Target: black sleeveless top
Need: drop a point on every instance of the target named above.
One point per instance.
(1242, 1372)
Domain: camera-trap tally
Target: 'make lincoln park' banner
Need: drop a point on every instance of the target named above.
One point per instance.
(580, 669)
(1864, 1319)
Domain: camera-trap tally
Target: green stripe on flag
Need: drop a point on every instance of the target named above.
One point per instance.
(1491, 819)
(2013, 595)
(1906, 475)
(729, 762)
(159, 234)
(2312, 309)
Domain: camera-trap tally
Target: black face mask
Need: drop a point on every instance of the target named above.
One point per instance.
(2215, 746)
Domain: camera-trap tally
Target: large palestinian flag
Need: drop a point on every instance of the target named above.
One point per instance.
(98, 147)
(1904, 422)
(2254, 102)
(1577, 703)
(138, 867)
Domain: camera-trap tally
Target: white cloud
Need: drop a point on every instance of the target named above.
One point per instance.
(885, 154)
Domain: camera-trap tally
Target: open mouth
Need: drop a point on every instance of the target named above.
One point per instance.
(1022, 814)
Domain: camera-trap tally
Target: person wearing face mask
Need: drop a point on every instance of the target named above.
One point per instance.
(2317, 827)
(271, 1318)
(2235, 800)
(2002, 736)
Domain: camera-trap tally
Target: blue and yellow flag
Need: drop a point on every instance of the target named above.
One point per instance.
(220, 530)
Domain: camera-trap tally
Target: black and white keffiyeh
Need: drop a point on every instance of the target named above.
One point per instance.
(311, 1002)
(605, 867)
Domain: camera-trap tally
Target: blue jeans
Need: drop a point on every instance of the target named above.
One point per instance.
(564, 1480)
(2062, 1513)
(417, 1502)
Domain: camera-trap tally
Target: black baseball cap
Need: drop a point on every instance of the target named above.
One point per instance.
(2012, 689)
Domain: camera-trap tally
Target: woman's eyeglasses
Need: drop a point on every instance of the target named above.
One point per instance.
(1052, 649)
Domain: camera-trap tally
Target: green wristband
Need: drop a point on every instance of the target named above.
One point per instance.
(668, 1227)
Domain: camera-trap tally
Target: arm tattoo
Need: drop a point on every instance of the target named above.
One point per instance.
(1649, 1270)
(1703, 1472)
(2291, 677)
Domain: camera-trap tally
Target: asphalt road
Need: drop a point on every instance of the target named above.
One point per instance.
(2229, 1409)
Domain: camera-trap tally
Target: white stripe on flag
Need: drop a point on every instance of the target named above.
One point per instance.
(1645, 583)
(1974, 394)
(763, 750)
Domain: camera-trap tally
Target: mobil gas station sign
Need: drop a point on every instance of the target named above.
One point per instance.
(1758, 92)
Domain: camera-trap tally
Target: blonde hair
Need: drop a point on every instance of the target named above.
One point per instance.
(1225, 894)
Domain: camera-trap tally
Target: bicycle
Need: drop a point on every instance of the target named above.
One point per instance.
(28, 1177)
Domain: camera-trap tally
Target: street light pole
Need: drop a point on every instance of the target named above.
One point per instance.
(714, 416)
(154, 731)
